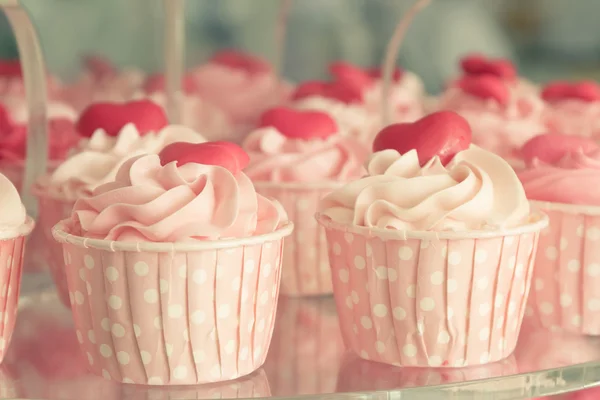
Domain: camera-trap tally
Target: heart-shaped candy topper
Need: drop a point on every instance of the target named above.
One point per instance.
(587, 91)
(551, 147)
(224, 154)
(477, 64)
(441, 134)
(351, 75)
(486, 87)
(242, 61)
(99, 66)
(377, 73)
(335, 91)
(6, 124)
(156, 83)
(296, 124)
(146, 115)
(10, 69)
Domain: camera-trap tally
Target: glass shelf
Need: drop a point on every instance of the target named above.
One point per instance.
(306, 358)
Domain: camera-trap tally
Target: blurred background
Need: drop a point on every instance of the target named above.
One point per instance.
(548, 38)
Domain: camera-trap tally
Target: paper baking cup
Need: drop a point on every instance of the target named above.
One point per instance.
(12, 248)
(306, 269)
(565, 293)
(50, 212)
(174, 313)
(431, 298)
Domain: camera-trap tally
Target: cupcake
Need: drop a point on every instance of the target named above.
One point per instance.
(297, 157)
(15, 225)
(432, 252)
(562, 179)
(174, 268)
(116, 132)
(573, 108)
(503, 113)
(243, 86)
(353, 99)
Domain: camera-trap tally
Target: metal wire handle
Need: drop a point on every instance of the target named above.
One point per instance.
(174, 51)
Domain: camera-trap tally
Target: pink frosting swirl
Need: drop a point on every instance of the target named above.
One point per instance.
(155, 203)
(277, 158)
(478, 190)
(573, 179)
(243, 96)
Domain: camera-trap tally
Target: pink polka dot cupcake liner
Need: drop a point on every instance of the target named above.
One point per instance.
(565, 292)
(306, 269)
(173, 313)
(432, 299)
(12, 249)
(50, 212)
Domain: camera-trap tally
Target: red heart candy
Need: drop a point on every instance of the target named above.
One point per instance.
(224, 154)
(551, 147)
(238, 60)
(295, 124)
(146, 115)
(476, 64)
(6, 124)
(348, 74)
(587, 91)
(10, 68)
(100, 67)
(441, 134)
(156, 83)
(335, 91)
(486, 87)
(377, 73)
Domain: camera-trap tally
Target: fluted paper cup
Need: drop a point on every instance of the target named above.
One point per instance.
(12, 249)
(50, 212)
(431, 298)
(174, 313)
(565, 291)
(306, 269)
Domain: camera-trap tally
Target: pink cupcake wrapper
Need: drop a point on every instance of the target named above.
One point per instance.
(565, 292)
(431, 298)
(306, 269)
(174, 313)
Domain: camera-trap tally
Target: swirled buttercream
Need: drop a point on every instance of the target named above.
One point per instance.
(277, 158)
(478, 190)
(151, 202)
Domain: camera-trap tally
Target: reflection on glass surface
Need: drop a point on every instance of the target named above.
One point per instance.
(306, 357)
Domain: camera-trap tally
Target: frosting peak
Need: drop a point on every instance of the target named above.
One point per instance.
(12, 210)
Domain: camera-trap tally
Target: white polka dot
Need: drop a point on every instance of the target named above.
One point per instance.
(348, 237)
(199, 356)
(260, 326)
(115, 302)
(78, 298)
(141, 268)
(183, 271)
(158, 324)
(344, 275)
(223, 311)
(563, 243)
(90, 359)
(88, 261)
(111, 274)
(92, 336)
(392, 275)
(164, 286)
(409, 350)
(106, 374)
(249, 266)
(180, 372)
(175, 311)
(9, 261)
(359, 262)
(198, 317)
(151, 296)
(481, 256)
(551, 253)
(580, 231)
(484, 334)
(88, 288)
(366, 322)
(79, 337)
(443, 337)
(411, 291)
(169, 349)
(565, 300)
(482, 283)
(399, 313)
(380, 310)
(337, 249)
(405, 253)
(105, 351)
(512, 260)
(155, 380)
(244, 353)
(484, 309)
(355, 297)
(437, 278)
(451, 285)
(82, 274)
(593, 233)
(539, 284)
(594, 304)
(512, 307)
(485, 358)
(434, 361)
(427, 304)
(105, 324)
(593, 269)
(380, 347)
(264, 298)
(123, 358)
(199, 276)
(574, 265)
(215, 371)
(454, 258)
(382, 273)
(546, 308)
(266, 270)
(349, 302)
(368, 250)
(137, 330)
(576, 320)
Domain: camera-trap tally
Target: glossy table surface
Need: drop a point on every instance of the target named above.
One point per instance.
(306, 358)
